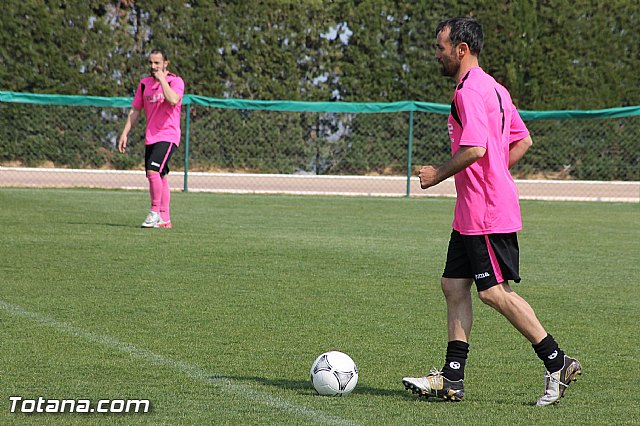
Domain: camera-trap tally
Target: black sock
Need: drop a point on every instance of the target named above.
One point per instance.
(456, 359)
(549, 352)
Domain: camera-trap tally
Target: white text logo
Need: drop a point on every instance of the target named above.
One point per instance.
(42, 405)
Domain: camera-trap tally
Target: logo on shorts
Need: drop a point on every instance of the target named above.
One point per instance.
(482, 275)
(153, 163)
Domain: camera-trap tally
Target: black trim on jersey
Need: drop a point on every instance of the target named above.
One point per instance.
(454, 110)
(454, 113)
(501, 108)
(463, 80)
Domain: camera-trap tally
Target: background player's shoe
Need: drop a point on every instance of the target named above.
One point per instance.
(555, 384)
(152, 219)
(163, 224)
(435, 385)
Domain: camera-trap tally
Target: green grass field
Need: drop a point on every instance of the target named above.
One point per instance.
(218, 320)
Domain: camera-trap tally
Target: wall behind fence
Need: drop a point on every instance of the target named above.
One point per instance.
(304, 147)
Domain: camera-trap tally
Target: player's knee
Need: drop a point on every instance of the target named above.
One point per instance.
(491, 296)
(444, 284)
(454, 289)
(486, 298)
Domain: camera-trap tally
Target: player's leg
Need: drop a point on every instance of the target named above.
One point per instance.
(500, 264)
(155, 192)
(512, 306)
(155, 185)
(448, 383)
(456, 282)
(165, 204)
(165, 200)
(157, 157)
(561, 369)
(457, 293)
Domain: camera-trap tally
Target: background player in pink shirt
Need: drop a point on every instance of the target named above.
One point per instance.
(487, 138)
(160, 95)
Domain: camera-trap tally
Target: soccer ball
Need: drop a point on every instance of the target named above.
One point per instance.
(334, 374)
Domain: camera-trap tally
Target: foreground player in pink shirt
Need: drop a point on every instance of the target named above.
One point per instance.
(487, 138)
(160, 94)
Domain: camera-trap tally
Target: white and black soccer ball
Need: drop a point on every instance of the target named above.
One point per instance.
(334, 374)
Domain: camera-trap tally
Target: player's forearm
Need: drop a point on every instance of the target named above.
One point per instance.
(169, 94)
(463, 158)
(517, 150)
(132, 119)
(127, 127)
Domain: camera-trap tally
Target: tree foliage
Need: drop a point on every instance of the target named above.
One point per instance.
(551, 54)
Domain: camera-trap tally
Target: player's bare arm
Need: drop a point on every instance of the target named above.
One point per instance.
(169, 94)
(463, 158)
(517, 150)
(132, 118)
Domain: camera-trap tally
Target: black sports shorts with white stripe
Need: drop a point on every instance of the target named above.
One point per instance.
(157, 156)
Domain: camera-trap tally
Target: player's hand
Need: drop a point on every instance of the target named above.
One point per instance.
(160, 75)
(428, 176)
(122, 143)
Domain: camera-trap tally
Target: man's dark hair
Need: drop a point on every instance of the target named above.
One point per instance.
(464, 30)
(160, 51)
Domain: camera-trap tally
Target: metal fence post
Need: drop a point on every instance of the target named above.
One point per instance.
(409, 154)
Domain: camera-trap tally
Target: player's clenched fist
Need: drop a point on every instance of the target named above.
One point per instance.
(428, 176)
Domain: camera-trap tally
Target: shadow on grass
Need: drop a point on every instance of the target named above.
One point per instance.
(111, 225)
(304, 386)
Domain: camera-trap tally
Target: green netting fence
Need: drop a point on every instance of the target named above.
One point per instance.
(230, 137)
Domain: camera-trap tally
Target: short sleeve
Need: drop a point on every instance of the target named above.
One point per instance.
(518, 129)
(177, 85)
(137, 98)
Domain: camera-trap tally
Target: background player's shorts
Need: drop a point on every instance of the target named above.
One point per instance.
(157, 155)
(487, 259)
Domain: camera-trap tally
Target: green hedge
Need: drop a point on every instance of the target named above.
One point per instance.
(555, 54)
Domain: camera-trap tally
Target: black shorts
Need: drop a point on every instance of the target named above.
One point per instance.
(487, 259)
(157, 156)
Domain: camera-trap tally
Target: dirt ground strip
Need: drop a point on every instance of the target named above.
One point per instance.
(384, 186)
